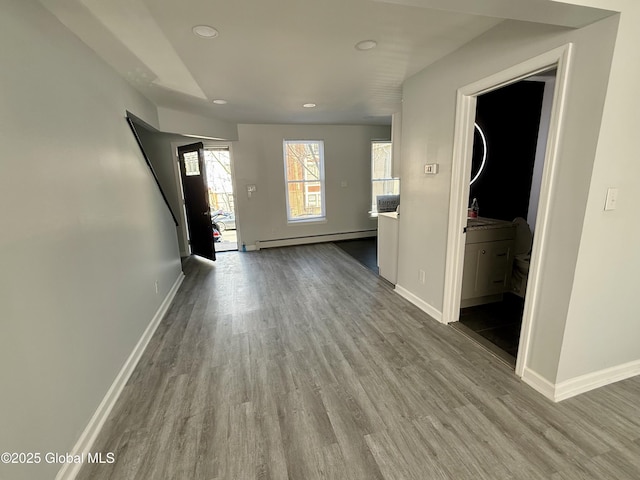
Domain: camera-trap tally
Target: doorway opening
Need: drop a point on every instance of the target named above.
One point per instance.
(510, 140)
(196, 204)
(492, 260)
(219, 180)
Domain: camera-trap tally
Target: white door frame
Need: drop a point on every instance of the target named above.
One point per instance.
(182, 215)
(178, 178)
(229, 146)
(559, 58)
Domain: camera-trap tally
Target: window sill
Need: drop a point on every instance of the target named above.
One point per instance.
(306, 221)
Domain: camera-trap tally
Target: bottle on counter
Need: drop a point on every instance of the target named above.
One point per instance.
(474, 210)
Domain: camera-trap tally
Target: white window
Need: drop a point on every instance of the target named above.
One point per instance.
(382, 182)
(304, 178)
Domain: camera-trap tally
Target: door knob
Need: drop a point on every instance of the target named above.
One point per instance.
(205, 213)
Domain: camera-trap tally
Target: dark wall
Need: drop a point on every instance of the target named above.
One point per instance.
(510, 118)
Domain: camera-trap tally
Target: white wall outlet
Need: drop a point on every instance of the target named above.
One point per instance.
(612, 199)
(251, 189)
(344, 184)
(431, 168)
(422, 276)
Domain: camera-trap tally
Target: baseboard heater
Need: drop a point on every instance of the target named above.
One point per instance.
(326, 237)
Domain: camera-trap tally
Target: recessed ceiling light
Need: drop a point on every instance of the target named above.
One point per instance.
(366, 45)
(205, 31)
(219, 101)
(309, 105)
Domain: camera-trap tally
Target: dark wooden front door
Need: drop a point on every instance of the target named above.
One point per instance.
(196, 200)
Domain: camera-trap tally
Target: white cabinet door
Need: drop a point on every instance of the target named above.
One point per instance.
(487, 267)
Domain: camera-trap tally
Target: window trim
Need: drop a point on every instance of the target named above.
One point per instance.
(374, 207)
(311, 219)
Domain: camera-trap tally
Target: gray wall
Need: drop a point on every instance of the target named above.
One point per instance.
(428, 125)
(174, 121)
(259, 160)
(159, 150)
(85, 234)
(603, 327)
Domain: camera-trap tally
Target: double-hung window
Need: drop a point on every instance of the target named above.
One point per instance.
(304, 179)
(382, 181)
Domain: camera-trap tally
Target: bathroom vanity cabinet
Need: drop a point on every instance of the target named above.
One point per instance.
(488, 260)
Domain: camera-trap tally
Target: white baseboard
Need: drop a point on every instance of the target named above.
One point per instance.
(539, 383)
(90, 433)
(251, 248)
(331, 237)
(590, 381)
(584, 383)
(421, 304)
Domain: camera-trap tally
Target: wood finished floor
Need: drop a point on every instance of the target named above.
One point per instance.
(364, 250)
(299, 363)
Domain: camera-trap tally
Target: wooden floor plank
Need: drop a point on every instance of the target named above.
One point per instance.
(299, 363)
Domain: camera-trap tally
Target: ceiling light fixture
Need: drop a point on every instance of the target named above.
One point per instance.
(219, 101)
(205, 31)
(309, 105)
(366, 45)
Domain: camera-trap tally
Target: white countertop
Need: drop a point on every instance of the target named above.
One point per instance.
(482, 223)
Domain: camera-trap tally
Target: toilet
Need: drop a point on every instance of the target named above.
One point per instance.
(522, 257)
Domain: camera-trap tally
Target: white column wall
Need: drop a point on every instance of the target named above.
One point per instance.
(603, 325)
(429, 103)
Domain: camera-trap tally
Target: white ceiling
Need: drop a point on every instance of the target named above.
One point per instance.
(273, 56)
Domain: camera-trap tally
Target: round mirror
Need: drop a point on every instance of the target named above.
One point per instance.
(479, 159)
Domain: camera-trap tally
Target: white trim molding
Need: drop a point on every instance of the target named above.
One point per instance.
(69, 471)
(539, 383)
(560, 59)
(563, 57)
(329, 237)
(590, 381)
(181, 229)
(582, 384)
(418, 302)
